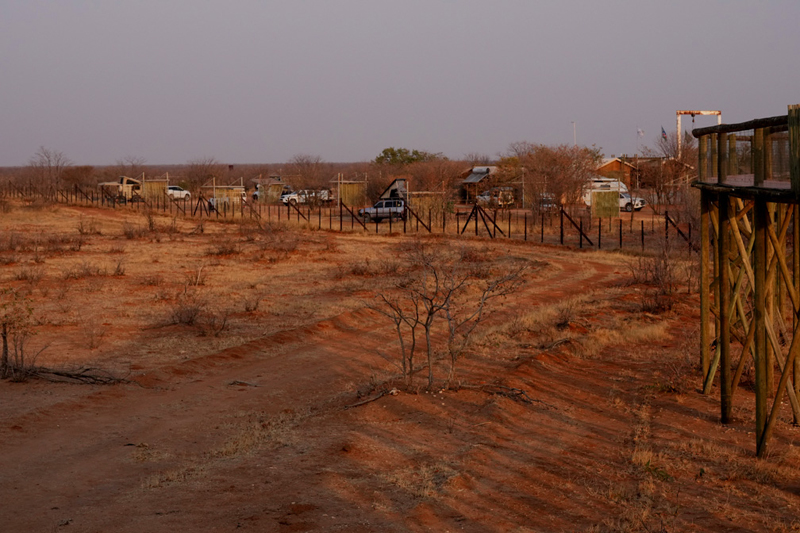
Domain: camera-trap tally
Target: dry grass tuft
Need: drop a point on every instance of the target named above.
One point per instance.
(261, 429)
(422, 481)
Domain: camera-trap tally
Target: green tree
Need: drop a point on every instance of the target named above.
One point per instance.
(403, 156)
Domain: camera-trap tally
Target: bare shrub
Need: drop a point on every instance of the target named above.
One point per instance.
(224, 247)
(253, 300)
(133, 231)
(369, 269)
(438, 283)
(153, 280)
(83, 270)
(196, 277)
(278, 247)
(39, 203)
(88, 227)
(187, 309)
(93, 333)
(119, 269)
(75, 245)
(213, 323)
(31, 274)
(16, 330)
(660, 271)
(5, 206)
(150, 220)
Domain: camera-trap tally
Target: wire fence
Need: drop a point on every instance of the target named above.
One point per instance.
(562, 227)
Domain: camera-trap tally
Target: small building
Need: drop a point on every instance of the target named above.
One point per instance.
(351, 193)
(224, 194)
(477, 180)
(270, 189)
(622, 169)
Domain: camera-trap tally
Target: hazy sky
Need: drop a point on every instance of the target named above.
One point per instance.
(261, 81)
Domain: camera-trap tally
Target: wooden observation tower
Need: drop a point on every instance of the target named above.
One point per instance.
(749, 179)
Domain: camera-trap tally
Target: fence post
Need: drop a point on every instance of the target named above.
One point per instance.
(620, 234)
(666, 225)
(542, 228)
(562, 225)
(642, 221)
(526, 226)
(580, 230)
(599, 233)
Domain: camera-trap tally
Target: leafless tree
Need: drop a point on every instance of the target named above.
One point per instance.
(560, 171)
(310, 171)
(131, 166)
(477, 159)
(440, 282)
(665, 175)
(46, 167)
(203, 169)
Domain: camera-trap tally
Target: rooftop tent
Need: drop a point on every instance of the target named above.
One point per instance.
(396, 189)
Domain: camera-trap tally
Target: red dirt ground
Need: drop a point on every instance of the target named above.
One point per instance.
(250, 430)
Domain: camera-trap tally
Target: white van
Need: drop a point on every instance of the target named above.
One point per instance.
(599, 183)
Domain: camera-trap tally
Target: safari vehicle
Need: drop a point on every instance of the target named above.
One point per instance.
(392, 208)
(307, 196)
(496, 197)
(123, 189)
(626, 201)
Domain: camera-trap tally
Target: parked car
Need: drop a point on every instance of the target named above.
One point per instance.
(307, 196)
(547, 202)
(384, 209)
(629, 204)
(496, 197)
(217, 203)
(178, 193)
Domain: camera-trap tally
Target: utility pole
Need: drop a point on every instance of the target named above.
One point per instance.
(574, 133)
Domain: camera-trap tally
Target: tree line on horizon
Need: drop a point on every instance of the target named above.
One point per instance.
(532, 169)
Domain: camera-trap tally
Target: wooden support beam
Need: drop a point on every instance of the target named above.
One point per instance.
(763, 441)
(794, 148)
(760, 266)
(702, 156)
(724, 343)
(722, 158)
(705, 292)
(796, 286)
(758, 157)
(733, 161)
(713, 155)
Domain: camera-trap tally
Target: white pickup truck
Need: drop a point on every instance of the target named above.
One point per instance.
(307, 196)
(393, 208)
